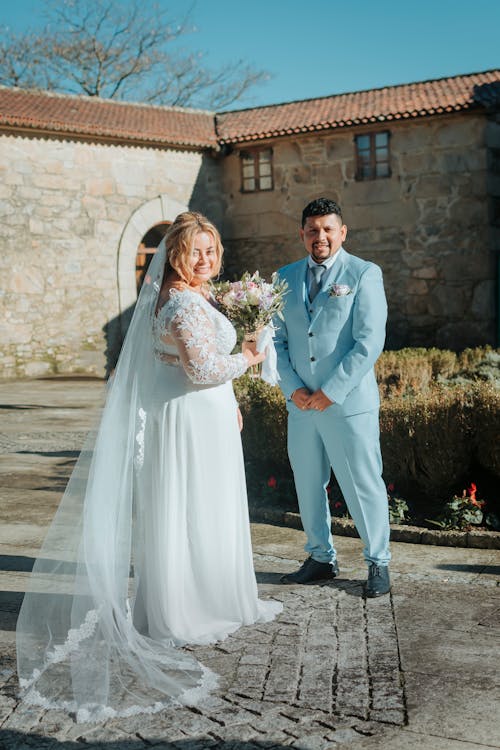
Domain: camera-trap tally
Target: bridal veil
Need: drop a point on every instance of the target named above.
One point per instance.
(77, 647)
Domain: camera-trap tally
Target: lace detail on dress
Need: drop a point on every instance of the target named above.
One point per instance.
(59, 653)
(94, 712)
(203, 336)
(139, 439)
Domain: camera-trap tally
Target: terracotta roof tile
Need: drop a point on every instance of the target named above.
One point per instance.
(172, 126)
(89, 116)
(361, 107)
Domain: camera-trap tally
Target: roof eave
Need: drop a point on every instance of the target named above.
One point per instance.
(117, 139)
(313, 128)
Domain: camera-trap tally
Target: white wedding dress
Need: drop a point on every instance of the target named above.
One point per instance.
(150, 546)
(194, 561)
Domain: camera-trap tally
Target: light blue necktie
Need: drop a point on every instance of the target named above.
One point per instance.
(317, 272)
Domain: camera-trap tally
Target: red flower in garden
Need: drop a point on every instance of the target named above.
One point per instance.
(470, 494)
(272, 482)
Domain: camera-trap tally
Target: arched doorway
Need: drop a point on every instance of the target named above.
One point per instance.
(159, 211)
(146, 250)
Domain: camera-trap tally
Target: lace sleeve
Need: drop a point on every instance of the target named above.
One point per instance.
(196, 340)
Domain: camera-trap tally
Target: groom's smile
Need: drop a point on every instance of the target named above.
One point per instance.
(323, 236)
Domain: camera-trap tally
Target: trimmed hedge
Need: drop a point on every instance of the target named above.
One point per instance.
(487, 429)
(408, 372)
(431, 441)
(428, 441)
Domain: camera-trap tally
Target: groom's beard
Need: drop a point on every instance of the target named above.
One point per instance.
(322, 253)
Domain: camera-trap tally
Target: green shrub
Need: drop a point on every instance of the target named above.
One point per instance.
(426, 442)
(479, 364)
(486, 418)
(409, 372)
(264, 425)
(432, 442)
(461, 512)
(403, 372)
(469, 359)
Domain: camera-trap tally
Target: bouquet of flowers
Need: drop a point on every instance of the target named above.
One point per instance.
(250, 303)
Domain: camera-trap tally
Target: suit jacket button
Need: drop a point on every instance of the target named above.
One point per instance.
(313, 359)
(311, 310)
(311, 333)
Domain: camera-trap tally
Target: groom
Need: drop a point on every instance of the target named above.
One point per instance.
(332, 333)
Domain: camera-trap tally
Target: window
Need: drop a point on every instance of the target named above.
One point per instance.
(372, 156)
(256, 170)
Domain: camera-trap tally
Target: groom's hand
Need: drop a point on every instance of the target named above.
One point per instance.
(318, 401)
(301, 397)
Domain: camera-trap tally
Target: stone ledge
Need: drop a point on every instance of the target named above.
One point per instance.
(478, 539)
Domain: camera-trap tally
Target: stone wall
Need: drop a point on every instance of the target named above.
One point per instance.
(427, 225)
(493, 146)
(73, 214)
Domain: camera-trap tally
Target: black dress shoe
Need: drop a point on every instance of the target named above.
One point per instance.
(312, 571)
(378, 582)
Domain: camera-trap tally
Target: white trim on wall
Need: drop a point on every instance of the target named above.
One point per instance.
(161, 208)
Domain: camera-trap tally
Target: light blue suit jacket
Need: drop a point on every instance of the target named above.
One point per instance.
(333, 342)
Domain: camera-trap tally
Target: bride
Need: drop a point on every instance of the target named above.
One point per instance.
(150, 547)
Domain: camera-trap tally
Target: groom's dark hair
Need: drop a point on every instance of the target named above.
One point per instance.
(321, 207)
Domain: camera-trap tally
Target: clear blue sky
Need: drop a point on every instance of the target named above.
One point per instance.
(334, 47)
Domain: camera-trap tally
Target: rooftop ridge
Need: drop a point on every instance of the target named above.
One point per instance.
(362, 91)
(102, 100)
(78, 115)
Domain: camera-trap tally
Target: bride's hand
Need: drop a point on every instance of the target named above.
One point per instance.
(249, 349)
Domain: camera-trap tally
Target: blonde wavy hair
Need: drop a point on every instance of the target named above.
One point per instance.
(180, 239)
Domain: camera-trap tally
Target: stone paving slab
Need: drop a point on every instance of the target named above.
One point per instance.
(340, 680)
(416, 669)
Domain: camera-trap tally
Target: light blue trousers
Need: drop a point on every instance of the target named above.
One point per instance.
(351, 447)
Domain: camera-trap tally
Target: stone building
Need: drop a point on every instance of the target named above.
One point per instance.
(89, 186)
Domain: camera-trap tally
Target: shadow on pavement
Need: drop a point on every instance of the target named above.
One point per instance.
(353, 587)
(23, 741)
(464, 568)
(10, 604)
(18, 563)
(51, 454)
(18, 407)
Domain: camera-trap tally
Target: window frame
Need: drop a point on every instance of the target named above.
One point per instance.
(254, 155)
(372, 134)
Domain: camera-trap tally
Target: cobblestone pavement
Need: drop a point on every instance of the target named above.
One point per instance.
(327, 670)
(413, 669)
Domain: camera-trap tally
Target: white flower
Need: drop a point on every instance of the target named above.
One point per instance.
(253, 296)
(339, 290)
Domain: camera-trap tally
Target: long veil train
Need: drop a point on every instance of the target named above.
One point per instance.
(77, 647)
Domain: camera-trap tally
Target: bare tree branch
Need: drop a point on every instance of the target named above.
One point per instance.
(103, 48)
